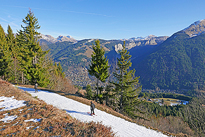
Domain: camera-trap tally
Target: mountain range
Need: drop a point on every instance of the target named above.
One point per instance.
(48, 39)
(75, 56)
(175, 62)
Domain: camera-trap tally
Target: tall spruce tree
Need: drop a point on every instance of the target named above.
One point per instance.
(126, 85)
(14, 50)
(5, 55)
(32, 54)
(99, 65)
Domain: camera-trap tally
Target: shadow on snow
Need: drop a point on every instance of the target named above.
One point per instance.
(77, 112)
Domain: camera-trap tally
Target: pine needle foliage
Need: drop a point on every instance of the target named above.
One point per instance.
(126, 85)
(33, 56)
(22, 59)
(14, 67)
(99, 65)
(5, 55)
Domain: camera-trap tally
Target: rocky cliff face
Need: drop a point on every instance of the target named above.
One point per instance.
(150, 40)
(66, 38)
(195, 29)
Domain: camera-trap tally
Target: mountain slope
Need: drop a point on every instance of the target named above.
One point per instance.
(22, 115)
(79, 111)
(75, 57)
(178, 63)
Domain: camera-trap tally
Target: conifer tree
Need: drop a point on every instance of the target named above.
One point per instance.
(127, 84)
(5, 56)
(32, 55)
(14, 50)
(60, 70)
(99, 65)
(89, 92)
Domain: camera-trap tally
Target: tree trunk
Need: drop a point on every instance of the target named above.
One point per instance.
(22, 78)
(121, 94)
(97, 90)
(107, 100)
(15, 70)
(121, 101)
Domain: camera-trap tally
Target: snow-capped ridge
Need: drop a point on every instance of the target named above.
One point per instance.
(195, 28)
(142, 38)
(141, 41)
(60, 38)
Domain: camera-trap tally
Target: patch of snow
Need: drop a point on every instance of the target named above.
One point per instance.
(174, 104)
(33, 120)
(142, 38)
(29, 127)
(8, 119)
(10, 103)
(90, 40)
(15, 123)
(79, 111)
(36, 127)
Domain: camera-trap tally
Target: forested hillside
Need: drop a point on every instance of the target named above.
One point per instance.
(76, 56)
(178, 63)
(23, 61)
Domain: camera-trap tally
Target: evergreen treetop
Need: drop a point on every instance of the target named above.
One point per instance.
(126, 85)
(5, 55)
(99, 65)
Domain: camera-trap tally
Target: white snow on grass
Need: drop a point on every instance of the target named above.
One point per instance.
(9, 103)
(33, 120)
(79, 111)
(29, 127)
(7, 118)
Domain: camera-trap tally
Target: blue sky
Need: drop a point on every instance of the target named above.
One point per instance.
(104, 19)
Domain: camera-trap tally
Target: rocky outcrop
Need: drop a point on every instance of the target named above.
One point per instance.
(139, 41)
(48, 39)
(195, 29)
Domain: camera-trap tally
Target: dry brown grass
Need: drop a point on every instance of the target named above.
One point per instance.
(53, 121)
(158, 124)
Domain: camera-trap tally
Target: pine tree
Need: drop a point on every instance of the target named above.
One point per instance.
(60, 70)
(5, 55)
(32, 55)
(99, 65)
(14, 50)
(89, 92)
(127, 85)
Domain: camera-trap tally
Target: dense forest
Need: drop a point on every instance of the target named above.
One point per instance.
(178, 63)
(23, 61)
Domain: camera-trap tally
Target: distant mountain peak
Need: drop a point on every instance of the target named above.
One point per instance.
(49, 39)
(69, 36)
(196, 28)
(142, 38)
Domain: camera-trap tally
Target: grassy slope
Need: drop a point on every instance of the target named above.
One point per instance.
(168, 125)
(54, 121)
